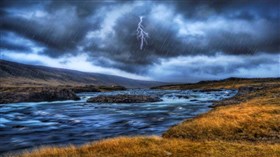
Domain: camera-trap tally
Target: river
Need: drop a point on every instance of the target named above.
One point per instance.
(29, 125)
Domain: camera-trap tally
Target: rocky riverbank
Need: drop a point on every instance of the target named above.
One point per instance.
(14, 95)
(247, 88)
(52, 93)
(92, 88)
(245, 93)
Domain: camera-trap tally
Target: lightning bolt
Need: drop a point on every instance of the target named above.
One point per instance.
(141, 34)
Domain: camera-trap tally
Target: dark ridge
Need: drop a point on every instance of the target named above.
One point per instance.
(18, 74)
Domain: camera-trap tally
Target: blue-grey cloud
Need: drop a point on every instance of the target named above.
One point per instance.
(106, 30)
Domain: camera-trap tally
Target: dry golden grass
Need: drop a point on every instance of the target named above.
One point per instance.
(248, 121)
(159, 147)
(26, 82)
(248, 129)
(257, 119)
(227, 84)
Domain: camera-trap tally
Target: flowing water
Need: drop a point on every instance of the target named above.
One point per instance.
(28, 125)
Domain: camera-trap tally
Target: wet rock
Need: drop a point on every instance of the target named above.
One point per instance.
(193, 100)
(123, 99)
(53, 95)
(210, 90)
(87, 88)
(37, 95)
(228, 94)
(111, 88)
(178, 96)
(183, 96)
(18, 126)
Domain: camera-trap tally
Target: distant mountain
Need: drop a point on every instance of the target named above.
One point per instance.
(17, 74)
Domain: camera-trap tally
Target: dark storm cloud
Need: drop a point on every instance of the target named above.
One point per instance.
(3, 13)
(18, 3)
(12, 46)
(219, 69)
(257, 31)
(81, 9)
(123, 46)
(59, 33)
(240, 9)
(244, 43)
(106, 30)
(192, 69)
(9, 41)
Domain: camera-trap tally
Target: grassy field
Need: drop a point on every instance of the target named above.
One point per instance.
(160, 147)
(250, 128)
(257, 119)
(230, 83)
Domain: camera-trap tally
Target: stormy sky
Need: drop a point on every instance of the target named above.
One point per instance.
(187, 40)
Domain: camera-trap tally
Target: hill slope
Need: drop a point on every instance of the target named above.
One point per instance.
(16, 74)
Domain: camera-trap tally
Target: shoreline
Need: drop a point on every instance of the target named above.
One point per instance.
(48, 93)
(29, 149)
(230, 129)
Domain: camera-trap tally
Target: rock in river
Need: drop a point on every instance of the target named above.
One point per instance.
(33, 94)
(123, 99)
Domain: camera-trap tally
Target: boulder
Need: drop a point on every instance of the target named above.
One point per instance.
(123, 99)
(39, 94)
